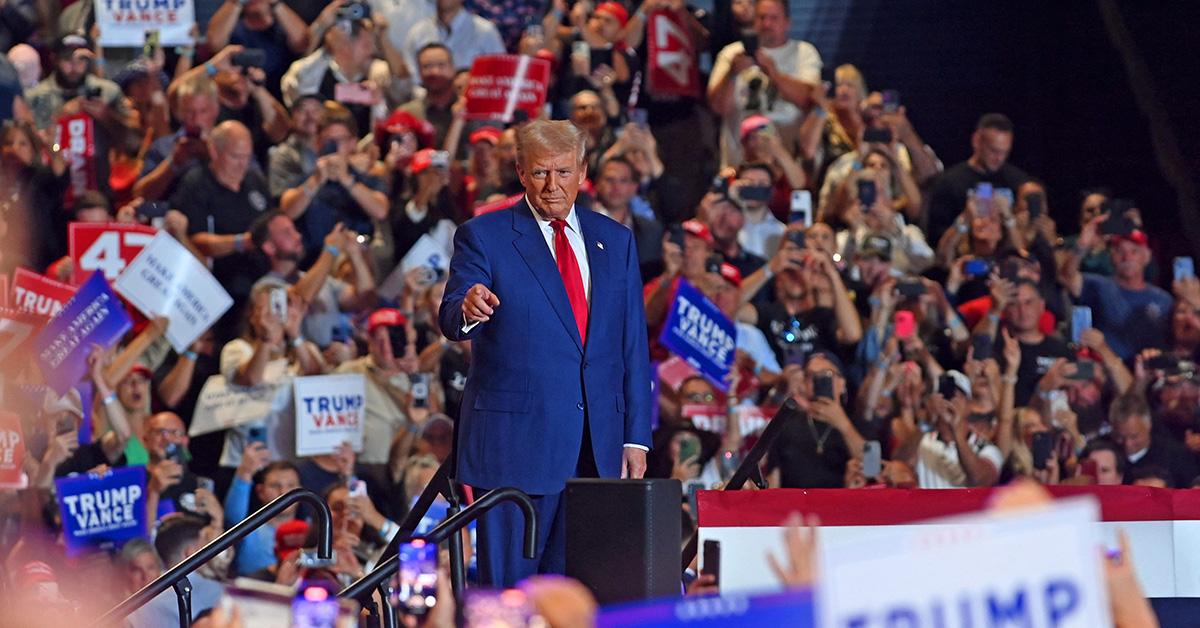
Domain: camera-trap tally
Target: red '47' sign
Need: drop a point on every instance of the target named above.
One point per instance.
(106, 247)
(671, 56)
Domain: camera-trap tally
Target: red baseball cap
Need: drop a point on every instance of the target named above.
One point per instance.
(1137, 236)
(698, 229)
(421, 160)
(289, 537)
(385, 317)
(486, 134)
(614, 9)
(730, 273)
(398, 123)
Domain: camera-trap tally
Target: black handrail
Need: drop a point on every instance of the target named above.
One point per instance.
(749, 467)
(221, 543)
(365, 586)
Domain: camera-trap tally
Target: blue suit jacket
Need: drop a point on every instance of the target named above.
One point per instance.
(531, 377)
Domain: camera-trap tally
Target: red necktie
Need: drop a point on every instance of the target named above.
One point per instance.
(572, 278)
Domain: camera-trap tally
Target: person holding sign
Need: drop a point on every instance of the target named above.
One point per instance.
(559, 359)
(269, 336)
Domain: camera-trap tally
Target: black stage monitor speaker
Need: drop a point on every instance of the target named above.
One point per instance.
(623, 537)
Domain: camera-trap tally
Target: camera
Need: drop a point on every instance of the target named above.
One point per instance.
(354, 11)
(440, 159)
(92, 92)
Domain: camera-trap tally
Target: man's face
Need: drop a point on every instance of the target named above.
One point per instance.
(164, 429)
(233, 159)
(277, 483)
(696, 391)
(92, 214)
(616, 186)
(771, 23)
(819, 237)
(284, 239)
(992, 146)
(722, 293)
(1133, 435)
(339, 135)
(695, 253)
(604, 25)
(587, 112)
(552, 181)
(1026, 309)
(343, 517)
(755, 177)
(873, 269)
(198, 112)
(1129, 258)
(820, 366)
(1106, 467)
(437, 72)
(306, 117)
(72, 68)
(725, 221)
(142, 570)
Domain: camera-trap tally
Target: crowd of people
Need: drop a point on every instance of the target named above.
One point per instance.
(934, 325)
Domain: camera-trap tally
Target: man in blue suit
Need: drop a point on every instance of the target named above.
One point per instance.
(551, 297)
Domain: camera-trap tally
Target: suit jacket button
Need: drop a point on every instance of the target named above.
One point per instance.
(579, 405)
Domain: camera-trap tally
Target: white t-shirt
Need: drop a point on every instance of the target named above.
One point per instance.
(762, 238)
(280, 423)
(938, 465)
(798, 59)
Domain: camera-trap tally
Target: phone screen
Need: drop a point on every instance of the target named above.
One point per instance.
(801, 208)
(488, 607)
(1081, 319)
(1184, 268)
(417, 586)
(904, 323)
(712, 560)
(872, 463)
(823, 386)
(1043, 446)
(420, 390)
(314, 607)
(866, 192)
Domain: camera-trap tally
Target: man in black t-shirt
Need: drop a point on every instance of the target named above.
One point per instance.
(990, 145)
(170, 485)
(812, 452)
(221, 201)
(1023, 307)
(795, 325)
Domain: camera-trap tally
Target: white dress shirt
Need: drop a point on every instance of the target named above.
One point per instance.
(467, 36)
(575, 238)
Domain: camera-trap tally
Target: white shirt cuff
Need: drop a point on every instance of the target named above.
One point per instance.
(636, 446)
(468, 326)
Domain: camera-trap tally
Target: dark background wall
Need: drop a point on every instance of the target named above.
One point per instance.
(1052, 67)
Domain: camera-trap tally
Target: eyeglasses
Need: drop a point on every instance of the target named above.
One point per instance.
(166, 433)
(699, 397)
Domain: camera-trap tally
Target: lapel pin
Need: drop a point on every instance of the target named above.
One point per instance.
(600, 245)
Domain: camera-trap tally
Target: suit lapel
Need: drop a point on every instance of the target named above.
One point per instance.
(598, 262)
(531, 245)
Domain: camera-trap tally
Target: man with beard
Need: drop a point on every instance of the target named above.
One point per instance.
(435, 65)
(990, 146)
(72, 89)
(328, 297)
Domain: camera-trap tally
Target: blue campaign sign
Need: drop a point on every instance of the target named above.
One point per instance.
(97, 510)
(93, 316)
(698, 332)
(791, 608)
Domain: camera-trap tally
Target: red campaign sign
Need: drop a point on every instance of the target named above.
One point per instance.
(712, 418)
(495, 206)
(670, 57)
(12, 452)
(499, 85)
(39, 295)
(76, 134)
(106, 247)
